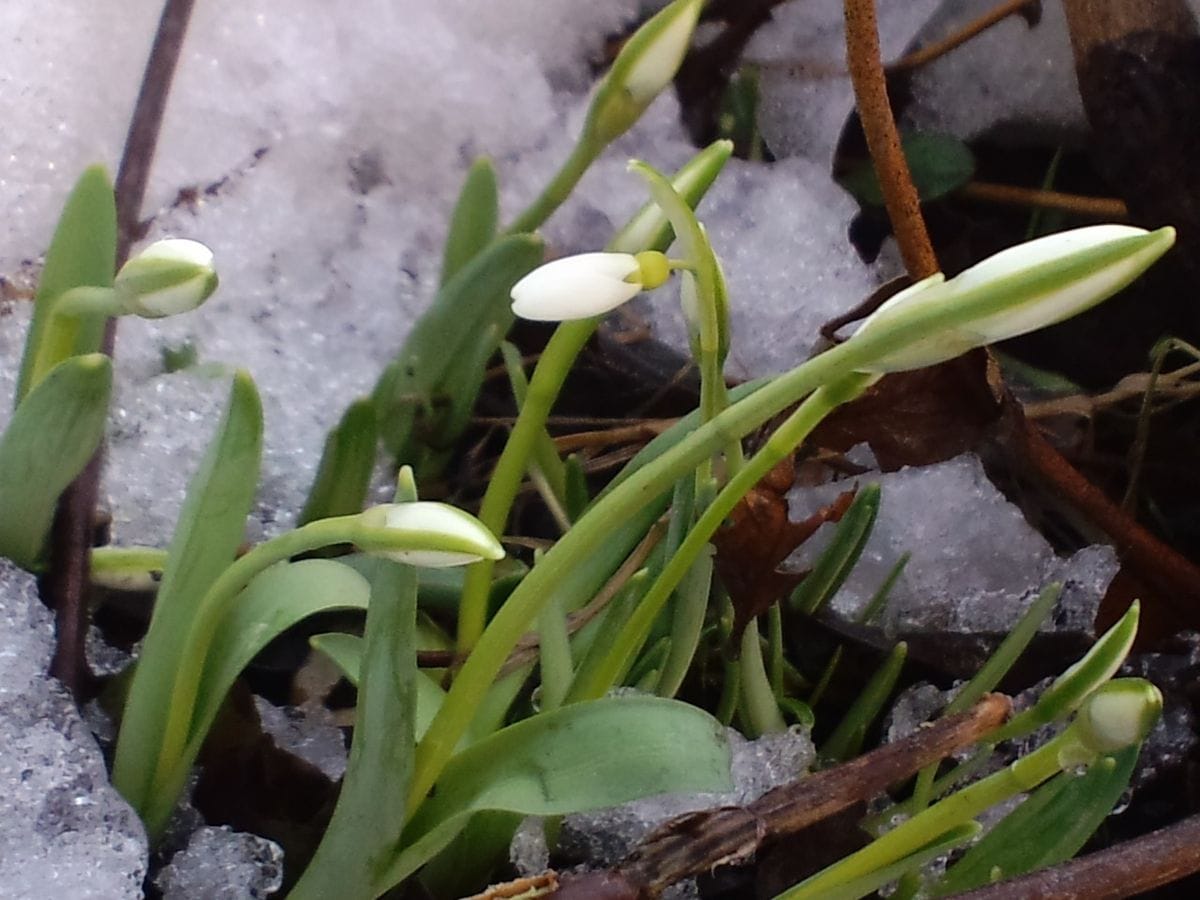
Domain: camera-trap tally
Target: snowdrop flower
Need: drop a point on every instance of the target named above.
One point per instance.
(168, 277)
(644, 67)
(1018, 290)
(590, 284)
(428, 534)
(1119, 714)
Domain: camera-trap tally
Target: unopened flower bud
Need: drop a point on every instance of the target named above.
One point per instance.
(586, 285)
(425, 533)
(168, 277)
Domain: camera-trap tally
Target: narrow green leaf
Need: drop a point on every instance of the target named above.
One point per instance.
(344, 474)
(83, 253)
(475, 219)
(50, 438)
(370, 813)
(586, 756)
(211, 527)
(273, 602)
(841, 556)
(846, 740)
(1050, 827)
(414, 398)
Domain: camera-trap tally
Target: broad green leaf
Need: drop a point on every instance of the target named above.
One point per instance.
(83, 253)
(340, 486)
(50, 438)
(345, 650)
(273, 602)
(370, 813)
(211, 527)
(841, 556)
(475, 219)
(1050, 827)
(415, 397)
(584, 756)
(939, 164)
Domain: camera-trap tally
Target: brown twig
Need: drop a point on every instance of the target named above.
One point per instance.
(1108, 208)
(930, 52)
(65, 585)
(883, 140)
(1136, 866)
(699, 842)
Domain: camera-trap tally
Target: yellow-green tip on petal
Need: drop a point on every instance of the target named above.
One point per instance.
(577, 287)
(1019, 290)
(169, 277)
(428, 534)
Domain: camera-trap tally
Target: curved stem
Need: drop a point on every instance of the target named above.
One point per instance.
(559, 188)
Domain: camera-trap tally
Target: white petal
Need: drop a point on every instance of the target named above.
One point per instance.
(424, 523)
(576, 287)
(659, 61)
(180, 250)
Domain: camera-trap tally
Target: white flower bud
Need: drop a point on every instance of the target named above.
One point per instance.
(647, 64)
(428, 534)
(1018, 290)
(1118, 715)
(586, 285)
(168, 277)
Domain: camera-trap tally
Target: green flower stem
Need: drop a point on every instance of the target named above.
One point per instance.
(179, 745)
(759, 709)
(127, 560)
(781, 444)
(552, 196)
(79, 301)
(548, 377)
(925, 827)
(623, 500)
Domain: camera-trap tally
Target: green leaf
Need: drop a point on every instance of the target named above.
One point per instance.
(344, 475)
(1050, 827)
(211, 527)
(421, 397)
(581, 757)
(841, 556)
(939, 164)
(273, 602)
(51, 436)
(846, 740)
(83, 253)
(475, 219)
(370, 813)
(346, 650)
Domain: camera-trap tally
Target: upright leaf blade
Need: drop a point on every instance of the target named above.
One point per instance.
(211, 527)
(49, 440)
(82, 253)
(475, 220)
(344, 474)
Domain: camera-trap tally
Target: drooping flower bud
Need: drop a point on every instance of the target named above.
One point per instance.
(586, 285)
(425, 533)
(1022, 289)
(169, 277)
(1118, 715)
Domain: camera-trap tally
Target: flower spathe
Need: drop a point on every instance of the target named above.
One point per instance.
(1021, 289)
(586, 285)
(169, 277)
(428, 534)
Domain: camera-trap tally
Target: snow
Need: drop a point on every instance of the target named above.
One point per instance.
(63, 829)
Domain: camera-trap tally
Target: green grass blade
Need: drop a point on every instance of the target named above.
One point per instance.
(49, 440)
(840, 557)
(846, 740)
(82, 253)
(211, 527)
